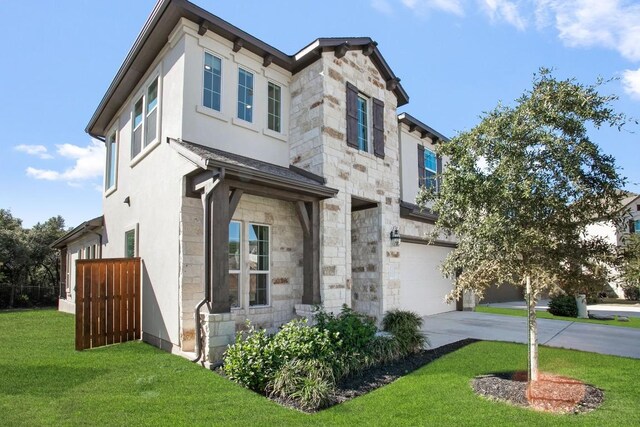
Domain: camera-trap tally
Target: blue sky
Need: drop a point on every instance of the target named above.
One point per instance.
(456, 59)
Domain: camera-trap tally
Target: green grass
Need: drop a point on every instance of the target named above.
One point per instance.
(634, 322)
(43, 381)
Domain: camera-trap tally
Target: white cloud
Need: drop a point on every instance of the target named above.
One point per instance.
(34, 150)
(631, 82)
(613, 24)
(504, 10)
(422, 6)
(89, 164)
(382, 6)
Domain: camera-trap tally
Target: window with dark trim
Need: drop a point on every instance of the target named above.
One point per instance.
(365, 121)
(429, 168)
(245, 95)
(212, 87)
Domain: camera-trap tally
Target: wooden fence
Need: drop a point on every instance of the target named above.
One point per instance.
(107, 301)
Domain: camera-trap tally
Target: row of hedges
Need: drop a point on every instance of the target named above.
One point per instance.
(303, 363)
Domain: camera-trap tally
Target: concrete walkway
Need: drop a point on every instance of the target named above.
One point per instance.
(449, 327)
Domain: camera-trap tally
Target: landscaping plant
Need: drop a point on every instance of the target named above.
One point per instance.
(520, 189)
(563, 305)
(406, 328)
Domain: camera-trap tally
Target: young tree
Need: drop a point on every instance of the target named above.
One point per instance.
(630, 266)
(520, 189)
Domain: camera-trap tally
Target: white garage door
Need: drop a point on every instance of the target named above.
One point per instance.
(423, 287)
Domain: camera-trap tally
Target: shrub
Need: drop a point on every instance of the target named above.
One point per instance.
(355, 330)
(563, 305)
(309, 382)
(385, 349)
(406, 328)
(254, 361)
(251, 361)
(631, 292)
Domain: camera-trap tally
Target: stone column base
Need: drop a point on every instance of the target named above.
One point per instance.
(306, 311)
(219, 331)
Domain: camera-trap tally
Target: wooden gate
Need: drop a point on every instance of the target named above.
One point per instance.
(107, 301)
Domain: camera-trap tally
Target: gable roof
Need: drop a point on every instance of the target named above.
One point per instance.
(415, 124)
(248, 168)
(163, 19)
(84, 228)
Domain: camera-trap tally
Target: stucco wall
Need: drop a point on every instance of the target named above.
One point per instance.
(223, 130)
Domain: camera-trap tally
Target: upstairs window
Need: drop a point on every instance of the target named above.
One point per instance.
(212, 82)
(363, 124)
(274, 95)
(245, 95)
(429, 168)
(112, 160)
(145, 119)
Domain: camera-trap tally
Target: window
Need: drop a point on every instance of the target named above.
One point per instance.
(112, 159)
(151, 123)
(212, 81)
(430, 169)
(363, 128)
(258, 264)
(136, 143)
(274, 95)
(637, 225)
(234, 263)
(130, 244)
(365, 122)
(245, 95)
(145, 119)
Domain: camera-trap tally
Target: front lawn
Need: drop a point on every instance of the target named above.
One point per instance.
(634, 322)
(44, 381)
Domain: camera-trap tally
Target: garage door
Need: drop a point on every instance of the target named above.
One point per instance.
(423, 287)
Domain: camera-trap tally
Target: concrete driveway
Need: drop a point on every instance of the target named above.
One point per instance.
(449, 327)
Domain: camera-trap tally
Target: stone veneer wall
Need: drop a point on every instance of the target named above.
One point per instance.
(365, 262)
(191, 269)
(318, 144)
(419, 229)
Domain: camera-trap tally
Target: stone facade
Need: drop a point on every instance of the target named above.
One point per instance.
(286, 263)
(366, 290)
(319, 116)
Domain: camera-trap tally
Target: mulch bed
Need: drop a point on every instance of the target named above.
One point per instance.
(378, 376)
(551, 393)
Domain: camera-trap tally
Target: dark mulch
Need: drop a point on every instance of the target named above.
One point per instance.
(378, 376)
(511, 387)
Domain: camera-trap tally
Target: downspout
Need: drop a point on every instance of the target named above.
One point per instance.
(208, 193)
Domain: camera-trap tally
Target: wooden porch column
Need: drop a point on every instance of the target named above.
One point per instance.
(309, 215)
(220, 249)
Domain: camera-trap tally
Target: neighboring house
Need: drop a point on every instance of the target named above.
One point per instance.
(273, 181)
(615, 234)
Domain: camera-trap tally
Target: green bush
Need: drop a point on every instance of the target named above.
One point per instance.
(631, 292)
(309, 382)
(385, 349)
(355, 330)
(251, 361)
(254, 361)
(406, 328)
(563, 305)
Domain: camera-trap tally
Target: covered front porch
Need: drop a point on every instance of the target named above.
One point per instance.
(258, 257)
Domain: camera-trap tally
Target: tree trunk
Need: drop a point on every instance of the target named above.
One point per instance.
(533, 332)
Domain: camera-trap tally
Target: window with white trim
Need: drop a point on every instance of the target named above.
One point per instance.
(145, 118)
(212, 88)
(130, 243)
(259, 264)
(235, 243)
(245, 95)
(274, 107)
(112, 160)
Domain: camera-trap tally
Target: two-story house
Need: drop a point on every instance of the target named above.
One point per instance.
(254, 184)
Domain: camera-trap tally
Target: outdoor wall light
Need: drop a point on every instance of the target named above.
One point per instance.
(395, 236)
(127, 201)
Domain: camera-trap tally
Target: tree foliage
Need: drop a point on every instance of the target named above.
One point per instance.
(26, 260)
(521, 187)
(630, 265)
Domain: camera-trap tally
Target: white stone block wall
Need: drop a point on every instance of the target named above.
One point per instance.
(366, 291)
